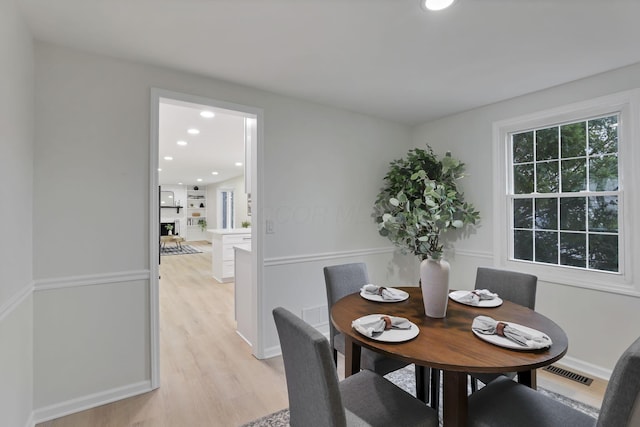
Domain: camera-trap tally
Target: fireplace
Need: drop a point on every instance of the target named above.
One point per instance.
(175, 230)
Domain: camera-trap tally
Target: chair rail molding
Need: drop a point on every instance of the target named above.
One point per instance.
(299, 259)
(91, 280)
(15, 300)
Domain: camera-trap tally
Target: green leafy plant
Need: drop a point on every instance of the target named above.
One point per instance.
(246, 224)
(203, 224)
(168, 227)
(420, 201)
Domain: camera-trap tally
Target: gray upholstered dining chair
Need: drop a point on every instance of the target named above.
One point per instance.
(318, 399)
(345, 279)
(513, 286)
(505, 403)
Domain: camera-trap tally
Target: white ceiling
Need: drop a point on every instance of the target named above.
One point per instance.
(217, 148)
(385, 58)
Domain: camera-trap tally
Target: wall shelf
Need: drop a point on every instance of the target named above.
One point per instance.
(177, 208)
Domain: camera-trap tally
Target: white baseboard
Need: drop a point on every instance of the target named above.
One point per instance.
(90, 401)
(30, 421)
(585, 367)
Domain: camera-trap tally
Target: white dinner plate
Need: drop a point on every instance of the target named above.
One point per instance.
(457, 295)
(378, 298)
(506, 342)
(390, 335)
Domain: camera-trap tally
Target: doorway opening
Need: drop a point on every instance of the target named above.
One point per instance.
(198, 147)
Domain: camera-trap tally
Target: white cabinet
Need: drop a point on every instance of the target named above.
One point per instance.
(223, 256)
(196, 210)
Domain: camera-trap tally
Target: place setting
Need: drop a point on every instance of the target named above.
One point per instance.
(509, 335)
(382, 293)
(477, 298)
(382, 327)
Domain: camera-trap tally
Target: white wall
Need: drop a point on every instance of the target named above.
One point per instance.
(16, 194)
(322, 169)
(600, 325)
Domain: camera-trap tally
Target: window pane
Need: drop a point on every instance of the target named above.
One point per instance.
(523, 213)
(546, 214)
(573, 213)
(573, 249)
(573, 140)
(547, 247)
(574, 175)
(603, 135)
(603, 252)
(523, 147)
(603, 214)
(523, 245)
(547, 177)
(547, 144)
(523, 179)
(603, 173)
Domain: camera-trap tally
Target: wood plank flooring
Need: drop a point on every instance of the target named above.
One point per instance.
(208, 375)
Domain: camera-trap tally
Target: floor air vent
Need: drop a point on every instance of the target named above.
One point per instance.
(568, 374)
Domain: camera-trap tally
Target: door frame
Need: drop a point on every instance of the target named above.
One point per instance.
(255, 176)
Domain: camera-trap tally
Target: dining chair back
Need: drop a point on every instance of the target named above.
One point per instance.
(505, 403)
(340, 281)
(509, 285)
(513, 286)
(318, 399)
(312, 380)
(345, 279)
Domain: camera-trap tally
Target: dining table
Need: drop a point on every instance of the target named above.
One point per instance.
(448, 343)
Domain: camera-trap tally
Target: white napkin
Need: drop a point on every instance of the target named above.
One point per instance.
(380, 324)
(488, 326)
(474, 297)
(389, 294)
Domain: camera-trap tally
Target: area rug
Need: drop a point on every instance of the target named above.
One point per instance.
(177, 250)
(405, 379)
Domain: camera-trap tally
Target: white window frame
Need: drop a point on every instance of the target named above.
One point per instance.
(627, 105)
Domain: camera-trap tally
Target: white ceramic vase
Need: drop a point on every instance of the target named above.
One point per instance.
(434, 280)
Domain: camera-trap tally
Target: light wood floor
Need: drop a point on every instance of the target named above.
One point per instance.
(208, 375)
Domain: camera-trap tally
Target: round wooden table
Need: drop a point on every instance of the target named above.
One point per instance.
(449, 344)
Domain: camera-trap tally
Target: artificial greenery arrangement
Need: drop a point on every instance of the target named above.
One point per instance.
(420, 201)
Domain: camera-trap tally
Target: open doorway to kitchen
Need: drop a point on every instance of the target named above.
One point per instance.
(200, 146)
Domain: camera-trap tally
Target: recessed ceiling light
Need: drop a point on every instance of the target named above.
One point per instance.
(159, 169)
(199, 179)
(181, 142)
(436, 4)
(214, 173)
(238, 163)
(207, 114)
(179, 183)
(168, 158)
(193, 131)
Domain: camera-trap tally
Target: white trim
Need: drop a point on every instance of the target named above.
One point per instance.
(299, 259)
(628, 104)
(257, 228)
(15, 300)
(587, 368)
(30, 421)
(474, 254)
(90, 401)
(90, 280)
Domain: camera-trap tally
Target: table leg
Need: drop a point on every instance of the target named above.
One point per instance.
(529, 378)
(422, 382)
(454, 399)
(352, 352)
